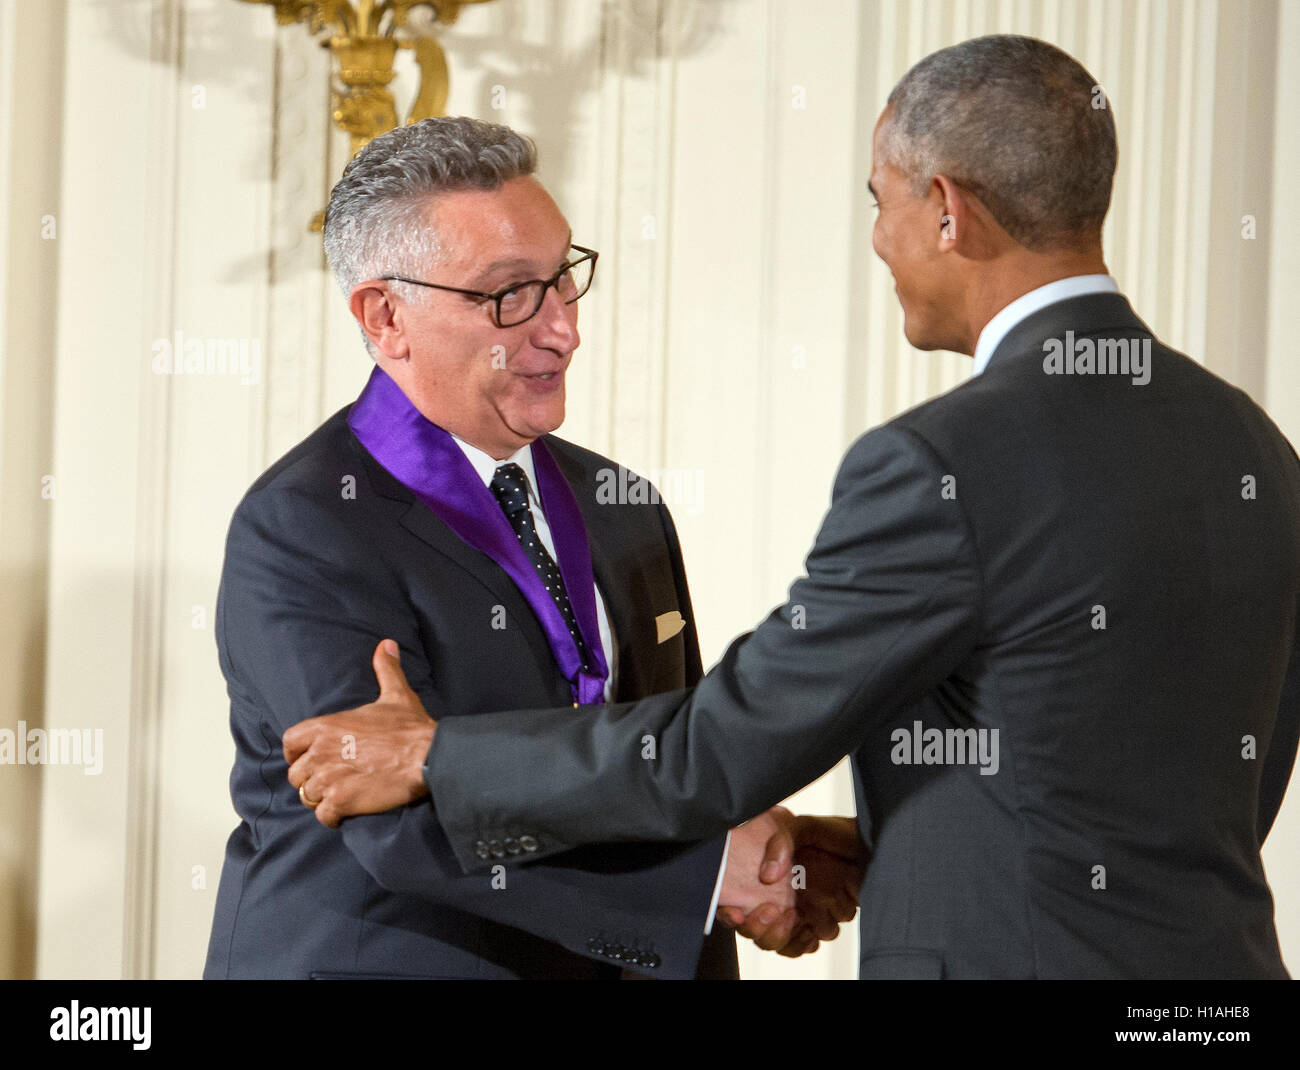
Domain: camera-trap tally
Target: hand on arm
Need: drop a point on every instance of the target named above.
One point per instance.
(789, 883)
(366, 760)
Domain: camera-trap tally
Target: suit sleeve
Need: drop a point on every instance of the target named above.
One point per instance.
(303, 605)
(888, 607)
(1280, 758)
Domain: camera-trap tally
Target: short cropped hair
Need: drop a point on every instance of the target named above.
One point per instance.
(1019, 123)
(374, 224)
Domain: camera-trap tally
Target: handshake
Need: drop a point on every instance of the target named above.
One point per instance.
(790, 881)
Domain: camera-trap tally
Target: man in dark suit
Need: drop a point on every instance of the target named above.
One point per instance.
(439, 511)
(1051, 614)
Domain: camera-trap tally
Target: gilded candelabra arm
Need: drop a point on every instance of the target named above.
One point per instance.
(318, 14)
(435, 82)
(363, 41)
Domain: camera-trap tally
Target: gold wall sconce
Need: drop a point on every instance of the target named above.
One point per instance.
(364, 39)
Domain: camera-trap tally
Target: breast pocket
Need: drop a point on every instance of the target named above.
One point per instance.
(670, 650)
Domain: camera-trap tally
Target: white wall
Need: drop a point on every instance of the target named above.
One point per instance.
(740, 336)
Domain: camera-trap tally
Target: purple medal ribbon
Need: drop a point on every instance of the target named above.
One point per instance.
(424, 458)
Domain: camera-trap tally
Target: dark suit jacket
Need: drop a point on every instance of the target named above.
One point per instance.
(314, 577)
(1142, 757)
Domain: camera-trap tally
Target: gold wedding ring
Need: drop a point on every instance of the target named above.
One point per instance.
(311, 804)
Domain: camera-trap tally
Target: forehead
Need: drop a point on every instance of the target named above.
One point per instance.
(876, 165)
(519, 217)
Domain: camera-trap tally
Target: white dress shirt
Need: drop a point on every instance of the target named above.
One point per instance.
(1027, 304)
(486, 466)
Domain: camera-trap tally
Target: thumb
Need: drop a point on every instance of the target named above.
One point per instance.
(387, 663)
(778, 856)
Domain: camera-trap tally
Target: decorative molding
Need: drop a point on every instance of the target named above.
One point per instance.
(154, 457)
(297, 284)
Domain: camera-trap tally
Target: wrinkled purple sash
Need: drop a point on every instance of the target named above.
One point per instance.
(426, 459)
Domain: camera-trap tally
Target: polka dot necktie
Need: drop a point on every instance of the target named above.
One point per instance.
(510, 485)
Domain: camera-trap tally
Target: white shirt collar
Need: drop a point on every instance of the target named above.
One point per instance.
(486, 465)
(1027, 304)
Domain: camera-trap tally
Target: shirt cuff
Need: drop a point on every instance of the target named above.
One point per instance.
(717, 888)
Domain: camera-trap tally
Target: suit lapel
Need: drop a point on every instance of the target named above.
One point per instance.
(421, 522)
(621, 581)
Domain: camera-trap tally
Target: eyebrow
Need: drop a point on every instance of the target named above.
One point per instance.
(500, 265)
(516, 263)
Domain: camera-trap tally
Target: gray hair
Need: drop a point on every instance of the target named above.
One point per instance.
(375, 223)
(1020, 124)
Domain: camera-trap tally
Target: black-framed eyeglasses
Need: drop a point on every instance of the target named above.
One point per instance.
(517, 303)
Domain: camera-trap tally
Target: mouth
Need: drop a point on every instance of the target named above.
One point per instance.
(543, 382)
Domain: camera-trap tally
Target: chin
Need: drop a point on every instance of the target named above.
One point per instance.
(553, 417)
(919, 338)
(543, 423)
(914, 337)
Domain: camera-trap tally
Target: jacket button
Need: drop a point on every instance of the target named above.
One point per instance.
(528, 843)
(496, 849)
(481, 849)
(650, 960)
(512, 846)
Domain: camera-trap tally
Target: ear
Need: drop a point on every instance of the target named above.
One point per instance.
(963, 222)
(954, 212)
(376, 308)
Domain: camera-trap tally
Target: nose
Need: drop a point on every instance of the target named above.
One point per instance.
(556, 324)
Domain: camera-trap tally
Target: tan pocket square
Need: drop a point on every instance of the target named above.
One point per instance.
(668, 625)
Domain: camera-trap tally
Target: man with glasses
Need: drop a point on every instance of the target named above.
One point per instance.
(439, 510)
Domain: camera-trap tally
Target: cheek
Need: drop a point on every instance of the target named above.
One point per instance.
(505, 391)
(487, 365)
(497, 384)
(885, 241)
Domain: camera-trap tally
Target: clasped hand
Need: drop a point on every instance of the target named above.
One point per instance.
(791, 881)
